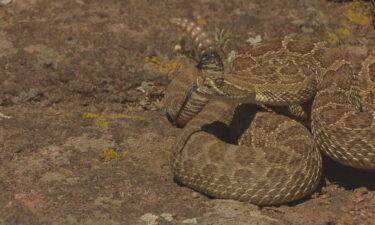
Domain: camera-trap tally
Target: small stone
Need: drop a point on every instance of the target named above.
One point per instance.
(167, 216)
(3, 116)
(149, 218)
(307, 30)
(254, 40)
(298, 22)
(142, 103)
(177, 48)
(195, 195)
(190, 221)
(5, 2)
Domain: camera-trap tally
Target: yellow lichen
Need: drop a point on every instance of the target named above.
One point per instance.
(121, 116)
(202, 22)
(154, 60)
(108, 154)
(354, 15)
(127, 154)
(169, 139)
(358, 17)
(172, 66)
(343, 31)
(332, 37)
(345, 24)
(91, 115)
(100, 119)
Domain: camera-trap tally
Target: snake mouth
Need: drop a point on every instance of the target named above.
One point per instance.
(220, 89)
(207, 87)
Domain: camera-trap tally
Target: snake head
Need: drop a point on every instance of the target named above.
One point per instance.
(223, 87)
(212, 82)
(210, 61)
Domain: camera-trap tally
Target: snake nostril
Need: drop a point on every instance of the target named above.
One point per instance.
(207, 84)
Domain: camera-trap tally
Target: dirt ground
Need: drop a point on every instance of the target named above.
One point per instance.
(83, 138)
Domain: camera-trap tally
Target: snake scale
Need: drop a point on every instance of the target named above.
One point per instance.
(274, 159)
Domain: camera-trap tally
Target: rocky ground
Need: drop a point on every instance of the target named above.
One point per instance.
(83, 139)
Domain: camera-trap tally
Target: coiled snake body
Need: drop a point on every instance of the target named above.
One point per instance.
(275, 159)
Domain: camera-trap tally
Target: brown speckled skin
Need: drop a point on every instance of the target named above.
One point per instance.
(343, 115)
(277, 161)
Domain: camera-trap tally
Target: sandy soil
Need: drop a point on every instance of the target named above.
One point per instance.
(83, 139)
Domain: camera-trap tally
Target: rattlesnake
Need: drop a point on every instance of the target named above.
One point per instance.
(276, 160)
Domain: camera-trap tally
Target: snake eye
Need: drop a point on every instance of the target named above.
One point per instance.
(219, 82)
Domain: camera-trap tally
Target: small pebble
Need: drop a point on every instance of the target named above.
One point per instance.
(254, 40)
(298, 22)
(149, 218)
(195, 195)
(4, 116)
(307, 30)
(190, 221)
(142, 102)
(5, 2)
(177, 48)
(167, 216)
